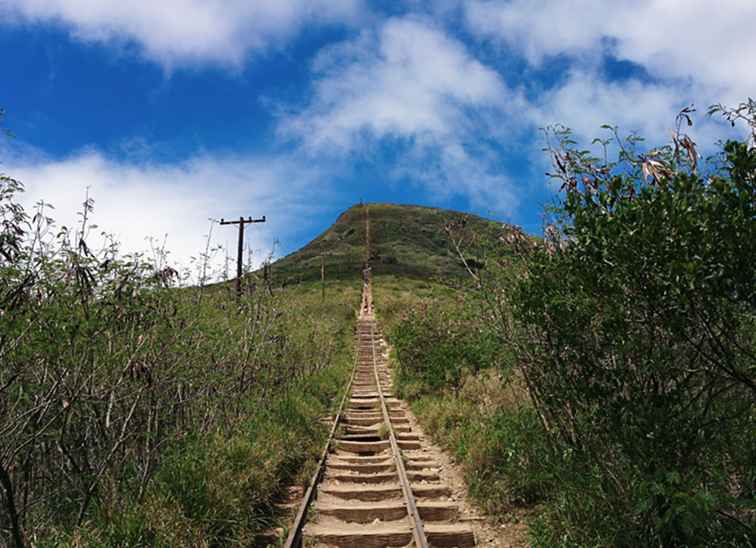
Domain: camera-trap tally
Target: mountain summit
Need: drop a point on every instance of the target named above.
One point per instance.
(405, 240)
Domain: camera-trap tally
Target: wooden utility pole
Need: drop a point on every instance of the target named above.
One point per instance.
(240, 251)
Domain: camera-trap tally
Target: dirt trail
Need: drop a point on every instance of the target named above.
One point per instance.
(382, 483)
(512, 533)
(379, 491)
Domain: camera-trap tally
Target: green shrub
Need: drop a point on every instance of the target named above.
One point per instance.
(503, 451)
(455, 370)
(438, 347)
(639, 318)
(135, 411)
(512, 450)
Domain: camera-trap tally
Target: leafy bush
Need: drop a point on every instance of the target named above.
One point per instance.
(438, 347)
(502, 450)
(640, 322)
(132, 409)
(454, 368)
(633, 326)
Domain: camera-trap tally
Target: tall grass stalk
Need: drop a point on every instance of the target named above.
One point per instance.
(117, 384)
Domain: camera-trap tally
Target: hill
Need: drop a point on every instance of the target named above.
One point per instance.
(406, 240)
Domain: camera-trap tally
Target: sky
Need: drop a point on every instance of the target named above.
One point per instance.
(172, 113)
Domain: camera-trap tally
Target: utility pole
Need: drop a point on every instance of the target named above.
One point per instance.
(240, 251)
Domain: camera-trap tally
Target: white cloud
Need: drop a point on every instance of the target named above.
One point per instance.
(136, 201)
(406, 80)
(711, 44)
(548, 28)
(584, 102)
(694, 52)
(180, 32)
(411, 84)
(450, 169)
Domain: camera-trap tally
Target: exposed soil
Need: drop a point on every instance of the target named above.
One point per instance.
(493, 531)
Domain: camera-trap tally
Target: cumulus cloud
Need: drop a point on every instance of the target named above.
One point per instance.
(692, 53)
(181, 32)
(584, 101)
(450, 170)
(411, 84)
(414, 86)
(409, 78)
(713, 45)
(137, 201)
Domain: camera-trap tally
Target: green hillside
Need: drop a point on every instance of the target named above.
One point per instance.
(408, 241)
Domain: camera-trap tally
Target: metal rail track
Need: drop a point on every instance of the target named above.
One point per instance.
(367, 482)
(417, 524)
(363, 482)
(295, 537)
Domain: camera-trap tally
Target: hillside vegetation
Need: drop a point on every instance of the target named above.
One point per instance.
(406, 241)
(599, 382)
(135, 413)
(605, 378)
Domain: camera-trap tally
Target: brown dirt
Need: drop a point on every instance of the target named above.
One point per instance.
(510, 531)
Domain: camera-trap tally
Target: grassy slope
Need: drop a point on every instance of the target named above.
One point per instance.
(412, 264)
(213, 489)
(220, 488)
(407, 241)
(411, 261)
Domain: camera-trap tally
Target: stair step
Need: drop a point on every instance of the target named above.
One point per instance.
(364, 492)
(377, 535)
(364, 514)
(459, 535)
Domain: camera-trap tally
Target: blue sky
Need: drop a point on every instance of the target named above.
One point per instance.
(174, 112)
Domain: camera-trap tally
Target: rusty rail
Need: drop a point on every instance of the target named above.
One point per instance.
(294, 540)
(421, 541)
